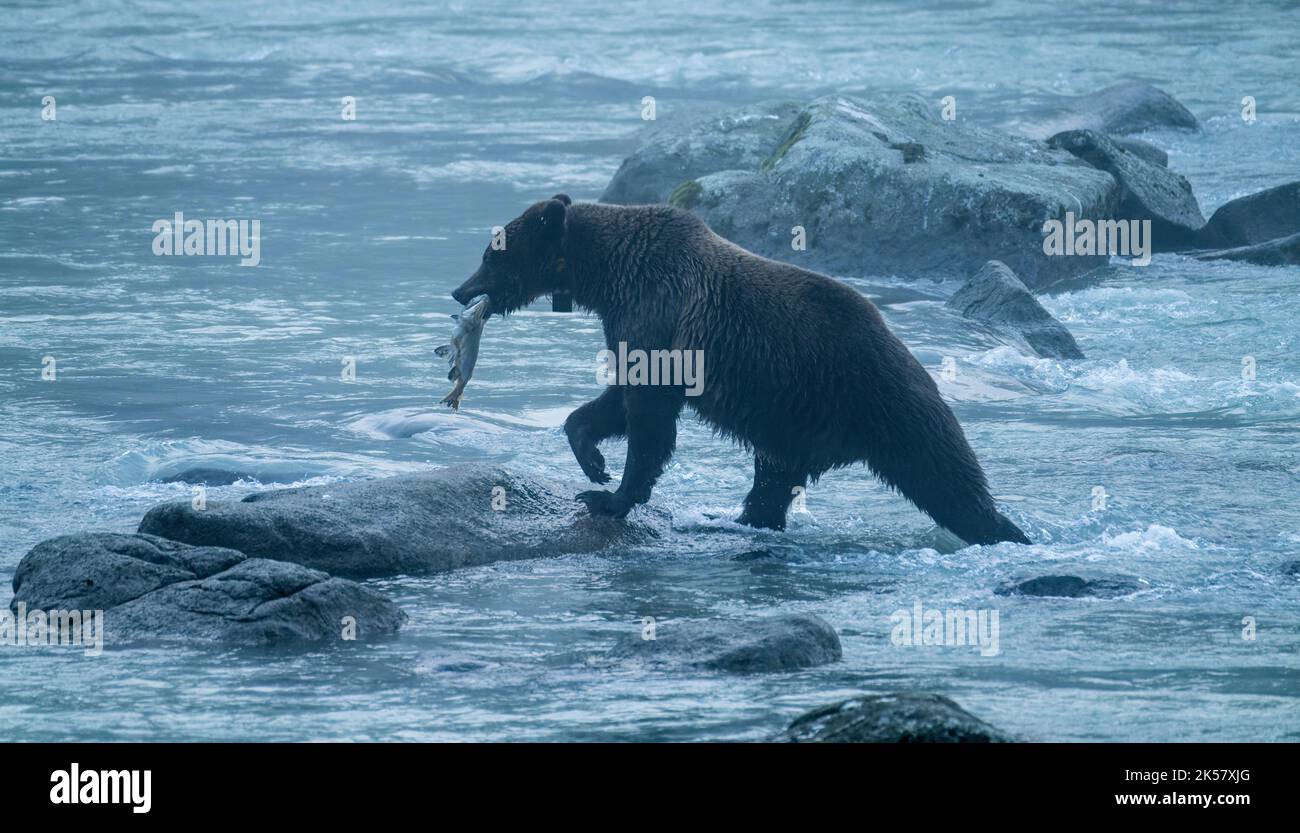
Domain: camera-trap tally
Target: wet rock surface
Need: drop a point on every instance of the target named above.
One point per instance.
(997, 297)
(892, 718)
(878, 188)
(1267, 215)
(411, 524)
(778, 643)
(1284, 251)
(1148, 191)
(1121, 109)
(679, 152)
(1072, 587)
(152, 588)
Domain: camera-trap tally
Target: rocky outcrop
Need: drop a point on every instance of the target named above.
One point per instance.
(411, 524)
(1146, 191)
(1258, 218)
(995, 296)
(1071, 587)
(892, 718)
(672, 154)
(152, 588)
(1121, 109)
(1284, 251)
(778, 643)
(886, 188)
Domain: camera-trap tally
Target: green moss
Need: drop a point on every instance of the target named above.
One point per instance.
(797, 131)
(686, 195)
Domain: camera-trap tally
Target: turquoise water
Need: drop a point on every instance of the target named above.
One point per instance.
(465, 114)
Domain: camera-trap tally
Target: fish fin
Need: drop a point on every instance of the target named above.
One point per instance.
(452, 375)
(443, 350)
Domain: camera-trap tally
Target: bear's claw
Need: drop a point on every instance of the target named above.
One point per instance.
(600, 502)
(592, 462)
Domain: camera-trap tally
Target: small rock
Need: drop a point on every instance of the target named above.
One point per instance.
(1257, 218)
(997, 297)
(1147, 191)
(152, 588)
(892, 718)
(1284, 251)
(778, 643)
(1071, 587)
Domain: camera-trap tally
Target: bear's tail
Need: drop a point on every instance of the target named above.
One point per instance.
(917, 447)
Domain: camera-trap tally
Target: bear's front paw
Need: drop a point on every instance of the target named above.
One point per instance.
(592, 463)
(605, 503)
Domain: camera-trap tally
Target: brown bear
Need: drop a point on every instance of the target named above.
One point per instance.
(799, 368)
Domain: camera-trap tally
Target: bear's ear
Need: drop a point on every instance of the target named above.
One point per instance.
(553, 217)
(564, 198)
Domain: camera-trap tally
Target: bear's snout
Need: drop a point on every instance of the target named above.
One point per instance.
(470, 289)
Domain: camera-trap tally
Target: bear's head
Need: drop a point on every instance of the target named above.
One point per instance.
(523, 263)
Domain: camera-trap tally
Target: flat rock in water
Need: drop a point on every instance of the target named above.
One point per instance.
(888, 188)
(997, 297)
(1147, 191)
(892, 718)
(778, 643)
(152, 588)
(1284, 251)
(1071, 587)
(1121, 109)
(1258, 218)
(411, 524)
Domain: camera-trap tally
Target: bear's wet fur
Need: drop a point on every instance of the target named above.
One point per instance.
(799, 368)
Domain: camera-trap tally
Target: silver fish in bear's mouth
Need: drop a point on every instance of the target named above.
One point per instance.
(462, 353)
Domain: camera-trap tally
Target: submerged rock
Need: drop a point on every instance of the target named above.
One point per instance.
(1284, 251)
(1071, 587)
(885, 188)
(1258, 218)
(997, 297)
(152, 588)
(411, 524)
(778, 643)
(892, 718)
(1131, 107)
(1147, 191)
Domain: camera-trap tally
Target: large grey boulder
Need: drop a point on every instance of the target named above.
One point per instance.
(777, 643)
(673, 153)
(1258, 218)
(892, 718)
(152, 588)
(1121, 109)
(997, 297)
(1147, 191)
(411, 524)
(886, 188)
(1284, 251)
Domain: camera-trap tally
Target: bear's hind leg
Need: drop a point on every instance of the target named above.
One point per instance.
(593, 423)
(769, 500)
